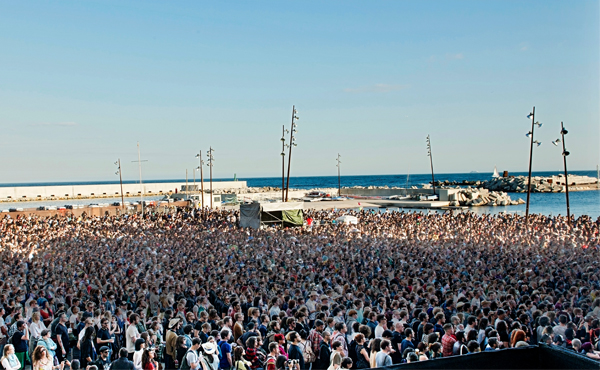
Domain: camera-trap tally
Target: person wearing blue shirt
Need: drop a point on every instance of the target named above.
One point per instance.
(226, 360)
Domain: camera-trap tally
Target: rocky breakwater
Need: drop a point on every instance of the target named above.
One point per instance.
(519, 185)
(482, 197)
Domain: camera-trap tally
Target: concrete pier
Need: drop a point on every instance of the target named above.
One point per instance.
(29, 193)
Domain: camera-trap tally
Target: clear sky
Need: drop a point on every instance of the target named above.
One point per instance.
(82, 81)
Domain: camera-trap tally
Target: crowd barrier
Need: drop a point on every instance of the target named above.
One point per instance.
(534, 357)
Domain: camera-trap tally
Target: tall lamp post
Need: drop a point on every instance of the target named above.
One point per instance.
(430, 155)
(283, 146)
(200, 165)
(530, 135)
(209, 154)
(565, 153)
(118, 164)
(139, 162)
(292, 144)
(339, 178)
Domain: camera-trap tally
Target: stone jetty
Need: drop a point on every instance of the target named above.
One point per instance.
(518, 184)
(471, 197)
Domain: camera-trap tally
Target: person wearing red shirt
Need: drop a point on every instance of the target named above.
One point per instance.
(448, 340)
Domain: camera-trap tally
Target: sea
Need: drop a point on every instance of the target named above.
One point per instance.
(551, 204)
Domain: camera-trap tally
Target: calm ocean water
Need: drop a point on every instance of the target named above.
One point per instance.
(581, 202)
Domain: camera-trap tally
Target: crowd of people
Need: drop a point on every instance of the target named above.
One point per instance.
(191, 289)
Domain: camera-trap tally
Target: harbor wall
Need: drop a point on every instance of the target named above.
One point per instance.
(28, 193)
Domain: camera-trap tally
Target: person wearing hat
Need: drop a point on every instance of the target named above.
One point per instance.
(171, 342)
(103, 361)
(211, 356)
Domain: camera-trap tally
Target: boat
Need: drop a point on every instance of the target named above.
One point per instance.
(495, 175)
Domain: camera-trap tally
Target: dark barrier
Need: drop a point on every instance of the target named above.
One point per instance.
(533, 357)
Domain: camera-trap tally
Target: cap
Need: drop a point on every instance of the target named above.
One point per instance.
(103, 349)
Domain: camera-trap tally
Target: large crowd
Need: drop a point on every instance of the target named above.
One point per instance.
(191, 289)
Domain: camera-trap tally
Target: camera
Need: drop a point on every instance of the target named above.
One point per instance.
(292, 363)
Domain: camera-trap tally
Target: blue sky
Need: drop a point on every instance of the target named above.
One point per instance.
(82, 81)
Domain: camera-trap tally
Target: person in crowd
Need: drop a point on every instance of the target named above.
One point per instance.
(103, 360)
(294, 351)
(225, 349)
(123, 362)
(20, 340)
(9, 359)
(146, 271)
(47, 342)
(383, 357)
(346, 363)
(210, 354)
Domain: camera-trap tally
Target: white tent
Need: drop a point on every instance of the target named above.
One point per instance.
(348, 220)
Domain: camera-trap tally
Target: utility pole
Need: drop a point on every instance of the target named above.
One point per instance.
(292, 144)
(200, 165)
(210, 165)
(530, 134)
(118, 163)
(339, 178)
(283, 145)
(187, 196)
(431, 162)
(139, 161)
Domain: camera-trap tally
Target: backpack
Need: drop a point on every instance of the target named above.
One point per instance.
(307, 353)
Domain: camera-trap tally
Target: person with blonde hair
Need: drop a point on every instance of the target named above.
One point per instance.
(9, 360)
(35, 330)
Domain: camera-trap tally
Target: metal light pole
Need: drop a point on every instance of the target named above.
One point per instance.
(565, 153)
(292, 144)
(118, 163)
(200, 165)
(283, 146)
(210, 165)
(139, 161)
(339, 179)
(530, 134)
(431, 162)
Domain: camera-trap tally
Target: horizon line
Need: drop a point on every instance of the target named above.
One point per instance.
(220, 179)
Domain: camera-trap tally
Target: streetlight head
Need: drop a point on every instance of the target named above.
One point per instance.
(116, 173)
(283, 139)
(528, 134)
(282, 154)
(529, 115)
(538, 143)
(555, 142)
(566, 153)
(564, 131)
(294, 144)
(116, 163)
(539, 124)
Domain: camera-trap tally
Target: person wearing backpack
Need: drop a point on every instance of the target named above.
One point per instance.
(307, 351)
(271, 361)
(191, 360)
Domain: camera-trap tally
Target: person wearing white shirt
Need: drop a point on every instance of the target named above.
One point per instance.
(35, 331)
(10, 361)
(132, 335)
(381, 326)
(140, 344)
